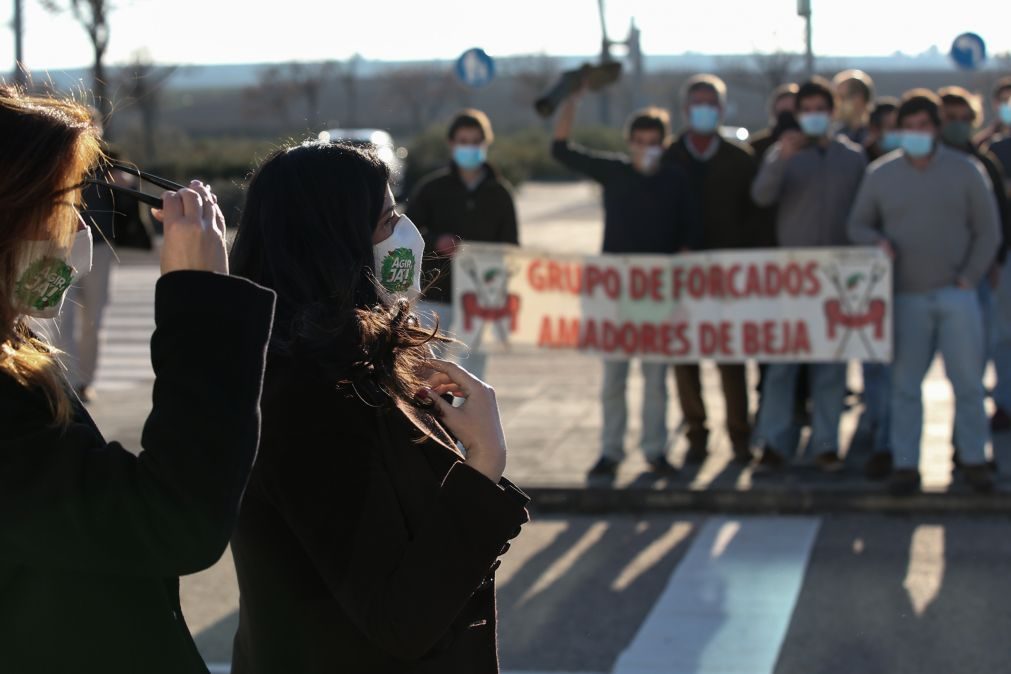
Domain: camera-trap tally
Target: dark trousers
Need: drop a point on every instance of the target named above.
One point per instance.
(693, 409)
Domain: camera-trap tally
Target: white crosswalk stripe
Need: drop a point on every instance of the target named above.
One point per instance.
(124, 359)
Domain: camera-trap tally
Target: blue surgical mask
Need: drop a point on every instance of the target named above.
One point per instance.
(891, 140)
(917, 144)
(1005, 112)
(703, 118)
(814, 123)
(469, 157)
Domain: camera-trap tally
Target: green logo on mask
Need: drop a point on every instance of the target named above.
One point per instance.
(398, 270)
(43, 284)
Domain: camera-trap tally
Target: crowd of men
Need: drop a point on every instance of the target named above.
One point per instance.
(916, 176)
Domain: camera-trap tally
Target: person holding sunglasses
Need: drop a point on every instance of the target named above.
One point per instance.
(93, 538)
(366, 541)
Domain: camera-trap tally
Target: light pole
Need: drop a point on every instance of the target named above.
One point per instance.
(20, 75)
(605, 57)
(804, 10)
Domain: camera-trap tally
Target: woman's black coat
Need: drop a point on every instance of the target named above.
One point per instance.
(362, 545)
(92, 537)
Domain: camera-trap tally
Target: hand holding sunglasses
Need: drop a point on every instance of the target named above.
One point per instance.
(194, 226)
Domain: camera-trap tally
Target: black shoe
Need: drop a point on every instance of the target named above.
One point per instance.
(743, 455)
(904, 482)
(978, 477)
(1000, 421)
(661, 466)
(604, 467)
(828, 462)
(696, 455)
(771, 460)
(878, 466)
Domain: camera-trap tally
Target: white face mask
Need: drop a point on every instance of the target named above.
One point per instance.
(398, 259)
(647, 159)
(46, 271)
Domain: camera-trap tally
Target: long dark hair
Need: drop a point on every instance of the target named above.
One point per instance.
(306, 232)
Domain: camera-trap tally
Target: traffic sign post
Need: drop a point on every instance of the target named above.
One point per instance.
(968, 51)
(475, 68)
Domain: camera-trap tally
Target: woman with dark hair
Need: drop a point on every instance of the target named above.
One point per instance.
(366, 542)
(93, 537)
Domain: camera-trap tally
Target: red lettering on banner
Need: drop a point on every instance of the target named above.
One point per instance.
(472, 310)
(649, 339)
(772, 338)
(813, 282)
(874, 316)
(754, 286)
(732, 274)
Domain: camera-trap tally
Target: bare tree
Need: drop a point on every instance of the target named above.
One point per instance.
(143, 87)
(422, 90)
(277, 86)
(532, 75)
(93, 15)
(348, 74)
(762, 72)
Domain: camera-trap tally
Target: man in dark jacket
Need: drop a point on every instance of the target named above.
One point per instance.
(720, 173)
(465, 201)
(646, 210)
(959, 112)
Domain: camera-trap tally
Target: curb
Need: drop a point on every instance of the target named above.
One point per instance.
(597, 500)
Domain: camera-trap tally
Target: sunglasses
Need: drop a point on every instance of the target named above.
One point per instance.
(143, 197)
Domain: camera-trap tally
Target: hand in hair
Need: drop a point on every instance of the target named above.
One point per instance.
(476, 423)
(194, 231)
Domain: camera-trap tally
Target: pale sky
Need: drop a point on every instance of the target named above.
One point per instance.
(230, 31)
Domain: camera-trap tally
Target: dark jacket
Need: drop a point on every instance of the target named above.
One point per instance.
(443, 204)
(361, 546)
(722, 186)
(642, 213)
(765, 218)
(93, 538)
(996, 171)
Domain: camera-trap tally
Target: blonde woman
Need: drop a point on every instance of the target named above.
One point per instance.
(93, 537)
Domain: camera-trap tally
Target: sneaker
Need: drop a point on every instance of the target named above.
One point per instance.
(904, 482)
(661, 466)
(604, 467)
(696, 454)
(1000, 421)
(878, 466)
(743, 455)
(978, 477)
(828, 462)
(771, 460)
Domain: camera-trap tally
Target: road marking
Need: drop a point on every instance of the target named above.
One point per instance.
(563, 564)
(925, 574)
(225, 668)
(651, 554)
(728, 604)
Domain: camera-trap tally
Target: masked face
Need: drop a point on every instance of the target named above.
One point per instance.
(1004, 111)
(814, 124)
(891, 140)
(703, 119)
(398, 259)
(917, 144)
(46, 271)
(470, 157)
(957, 133)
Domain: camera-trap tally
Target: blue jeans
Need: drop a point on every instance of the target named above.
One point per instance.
(948, 320)
(1001, 334)
(828, 393)
(877, 403)
(615, 408)
(474, 362)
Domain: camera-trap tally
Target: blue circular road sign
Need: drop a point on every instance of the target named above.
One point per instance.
(968, 51)
(475, 68)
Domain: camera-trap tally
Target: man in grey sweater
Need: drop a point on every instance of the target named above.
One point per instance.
(932, 210)
(813, 178)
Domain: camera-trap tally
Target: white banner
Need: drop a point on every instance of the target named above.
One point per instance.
(790, 305)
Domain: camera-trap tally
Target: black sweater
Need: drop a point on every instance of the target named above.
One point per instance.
(362, 546)
(722, 188)
(92, 537)
(443, 204)
(642, 214)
